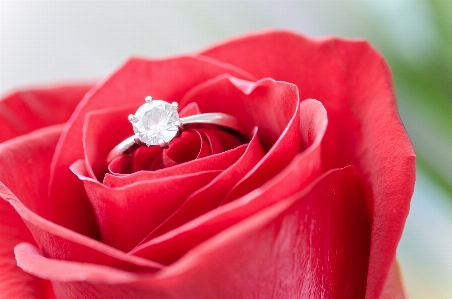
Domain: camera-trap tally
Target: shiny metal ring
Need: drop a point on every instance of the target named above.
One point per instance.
(157, 123)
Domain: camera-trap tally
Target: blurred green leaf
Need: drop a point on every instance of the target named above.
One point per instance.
(442, 12)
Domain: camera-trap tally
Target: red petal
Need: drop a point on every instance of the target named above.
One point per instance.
(14, 283)
(166, 79)
(30, 260)
(354, 83)
(28, 110)
(190, 146)
(270, 105)
(280, 252)
(147, 158)
(123, 164)
(314, 243)
(102, 131)
(393, 288)
(30, 157)
(127, 214)
(210, 196)
(189, 110)
(295, 177)
(214, 162)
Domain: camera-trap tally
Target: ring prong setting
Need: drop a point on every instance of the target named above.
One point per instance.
(156, 122)
(163, 144)
(132, 118)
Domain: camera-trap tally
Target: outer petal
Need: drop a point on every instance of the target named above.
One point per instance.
(29, 258)
(127, 214)
(30, 157)
(24, 111)
(394, 288)
(288, 237)
(270, 105)
(354, 83)
(14, 283)
(168, 79)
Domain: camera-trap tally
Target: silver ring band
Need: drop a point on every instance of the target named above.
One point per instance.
(176, 125)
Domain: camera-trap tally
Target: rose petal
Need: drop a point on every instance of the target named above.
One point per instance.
(102, 131)
(127, 214)
(25, 155)
(305, 168)
(24, 111)
(30, 157)
(393, 288)
(190, 146)
(30, 260)
(214, 162)
(270, 105)
(220, 141)
(147, 158)
(128, 86)
(123, 164)
(250, 102)
(14, 283)
(211, 195)
(354, 83)
(280, 252)
(189, 110)
(60, 243)
(284, 252)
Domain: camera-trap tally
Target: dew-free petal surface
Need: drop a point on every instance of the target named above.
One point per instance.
(354, 84)
(219, 161)
(394, 288)
(211, 195)
(125, 215)
(26, 155)
(270, 105)
(102, 131)
(23, 189)
(24, 111)
(280, 252)
(191, 145)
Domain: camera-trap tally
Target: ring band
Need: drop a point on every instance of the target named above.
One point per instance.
(157, 123)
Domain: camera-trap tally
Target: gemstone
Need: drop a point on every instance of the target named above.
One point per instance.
(156, 122)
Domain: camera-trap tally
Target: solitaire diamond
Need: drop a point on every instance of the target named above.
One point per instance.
(156, 122)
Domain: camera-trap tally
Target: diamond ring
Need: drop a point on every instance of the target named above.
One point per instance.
(157, 122)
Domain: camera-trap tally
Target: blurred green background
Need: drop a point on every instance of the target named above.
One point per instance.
(45, 42)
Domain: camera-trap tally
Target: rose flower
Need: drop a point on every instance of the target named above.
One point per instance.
(309, 203)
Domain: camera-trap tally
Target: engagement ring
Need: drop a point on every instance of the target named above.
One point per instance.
(157, 123)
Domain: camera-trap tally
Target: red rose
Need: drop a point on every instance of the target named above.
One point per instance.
(311, 206)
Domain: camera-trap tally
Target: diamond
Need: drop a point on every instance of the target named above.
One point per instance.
(156, 122)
